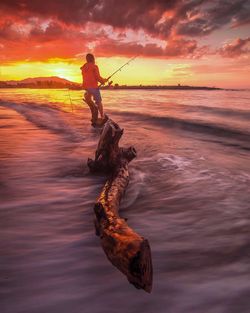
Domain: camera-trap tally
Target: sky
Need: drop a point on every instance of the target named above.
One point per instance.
(192, 42)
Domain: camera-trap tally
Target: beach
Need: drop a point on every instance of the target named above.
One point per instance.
(188, 195)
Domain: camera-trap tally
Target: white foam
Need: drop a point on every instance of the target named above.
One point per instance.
(168, 160)
(137, 181)
(176, 161)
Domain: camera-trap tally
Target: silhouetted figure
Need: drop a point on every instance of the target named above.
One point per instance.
(91, 77)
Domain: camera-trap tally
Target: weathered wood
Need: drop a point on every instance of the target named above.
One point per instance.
(108, 152)
(95, 121)
(125, 249)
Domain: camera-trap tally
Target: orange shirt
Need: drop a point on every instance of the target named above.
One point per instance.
(91, 76)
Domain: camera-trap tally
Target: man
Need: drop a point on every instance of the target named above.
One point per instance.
(91, 77)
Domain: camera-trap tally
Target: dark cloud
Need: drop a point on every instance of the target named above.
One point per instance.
(132, 14)
(55, 31)
(198, 27)
(236, 48)
(121, 14)
(111, 47)
(213, 15)
(6, 31)
(52, 32)
(179, 48)
(187, 17)
(74, 11)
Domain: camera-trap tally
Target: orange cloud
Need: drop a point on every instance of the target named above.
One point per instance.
(236, 48)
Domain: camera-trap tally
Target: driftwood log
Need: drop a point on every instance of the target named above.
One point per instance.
(95, 121)
(125, 249)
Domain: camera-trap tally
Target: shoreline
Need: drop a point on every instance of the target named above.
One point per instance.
(163, 88)
(124, 88)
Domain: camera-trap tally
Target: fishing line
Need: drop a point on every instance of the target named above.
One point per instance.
(70, 101)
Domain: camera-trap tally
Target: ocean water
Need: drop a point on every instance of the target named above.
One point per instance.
(189, 195)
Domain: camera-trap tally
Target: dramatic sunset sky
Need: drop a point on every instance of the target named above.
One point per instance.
(186, 41)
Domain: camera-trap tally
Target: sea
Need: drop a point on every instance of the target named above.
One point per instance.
(189, 195)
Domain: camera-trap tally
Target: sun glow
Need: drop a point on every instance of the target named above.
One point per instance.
(21, 70)
(141, 71)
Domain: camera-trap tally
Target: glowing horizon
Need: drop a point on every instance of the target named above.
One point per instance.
(178, 43)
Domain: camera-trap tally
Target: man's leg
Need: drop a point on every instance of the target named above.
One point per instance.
(100, 108)
(88, 96)
(98, 99)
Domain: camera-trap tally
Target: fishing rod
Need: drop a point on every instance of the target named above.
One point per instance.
(119, 69)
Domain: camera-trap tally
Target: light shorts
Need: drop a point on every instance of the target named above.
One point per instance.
(95, 92)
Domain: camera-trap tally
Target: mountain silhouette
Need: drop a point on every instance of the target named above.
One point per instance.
(31, 80)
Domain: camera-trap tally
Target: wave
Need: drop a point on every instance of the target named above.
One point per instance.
(50, 117)
(44, 116)
(190, 125)
(244, 114)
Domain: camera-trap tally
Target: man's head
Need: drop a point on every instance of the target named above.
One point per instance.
(90, 58)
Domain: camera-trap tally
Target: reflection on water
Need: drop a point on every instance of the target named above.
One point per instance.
(188, 194)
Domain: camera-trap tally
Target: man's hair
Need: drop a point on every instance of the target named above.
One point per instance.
(90, 58)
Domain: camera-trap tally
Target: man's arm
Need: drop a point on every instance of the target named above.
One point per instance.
(98, 76)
